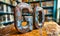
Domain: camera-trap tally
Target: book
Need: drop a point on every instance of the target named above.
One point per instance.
(12, 10)
(43, 4)
(37, 4)
(20, 0)
(47, 4)
(45, 11)
(11, 17)
(5, 9)
(4, 18)
(50, 3)
(34, 4)
(1, 7)
(14, 3)
(1, 19)
(7, 1)
(9, 9)
(49, 18)
(48, 11)
(8, 17)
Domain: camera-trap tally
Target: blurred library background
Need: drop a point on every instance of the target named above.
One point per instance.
(51, 10)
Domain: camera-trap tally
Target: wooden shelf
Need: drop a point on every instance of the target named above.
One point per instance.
(6, 4)
(33, 2)
(48, 7)
(8, 22)
(48, 15)
(47, 0)
(38, 1)
(3, 13)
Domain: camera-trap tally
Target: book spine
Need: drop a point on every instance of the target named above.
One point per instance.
(4, 7)
(1, 7)
(20, 0)
(9, 10)
(5, 12)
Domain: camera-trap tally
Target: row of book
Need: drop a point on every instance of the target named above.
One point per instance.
(43, 4)
(29, 0)
(5, 8)
(49, 18)
(12, 2)
(6, 18)
(47, 4)
(48, 11)
(34, 0)
(34, 4)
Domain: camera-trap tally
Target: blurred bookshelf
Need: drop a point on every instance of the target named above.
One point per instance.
(7, 9)
(1, 2)
(49, 7)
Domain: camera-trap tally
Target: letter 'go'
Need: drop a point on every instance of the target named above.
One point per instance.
(24, 17)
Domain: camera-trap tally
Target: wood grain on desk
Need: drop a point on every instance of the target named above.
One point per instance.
(11, 31)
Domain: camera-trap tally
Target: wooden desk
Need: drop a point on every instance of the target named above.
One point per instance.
(11, 31)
